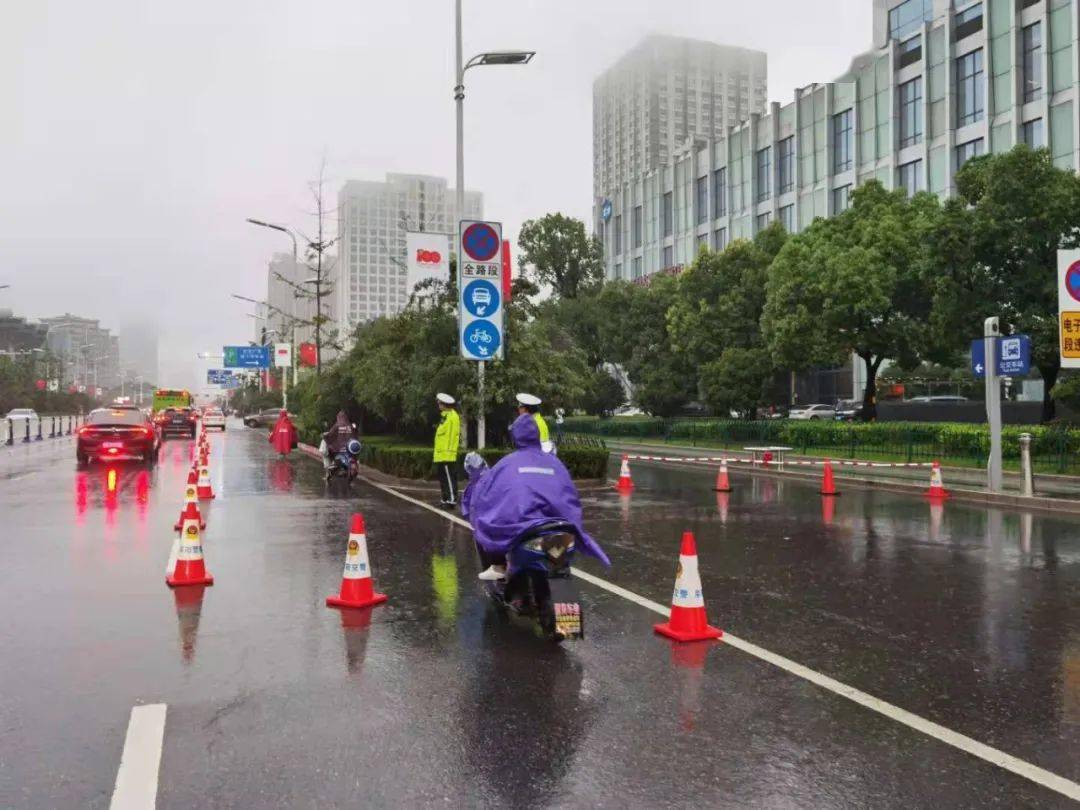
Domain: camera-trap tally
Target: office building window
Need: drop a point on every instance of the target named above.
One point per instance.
(763, 220)
(909, 51)
(911, 112)
(967, 21)
(966, 151)
(969, 88)
(785, 164)
(909, 177)
(719, 239)
(842, 141)
(618, 234)
(908, 17)
(637, 268)
(1032, 133)
(667, 214)
(764, 173)
(841, 199)
(1031, 38)
(701, 197)
(635, 228)
(618, 271)
(668, 258)
(702, 241)
(787, 218)
(719, 191)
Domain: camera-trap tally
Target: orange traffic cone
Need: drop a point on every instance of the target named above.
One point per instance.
(723, 484)
(937, 490)
(190, 511)
(625, 484)
(204, 489)
(828, 485)
(356, 590)
(190, 568)
(687, 621)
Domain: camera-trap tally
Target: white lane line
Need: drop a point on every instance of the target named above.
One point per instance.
(1033, 773)
(137, 780)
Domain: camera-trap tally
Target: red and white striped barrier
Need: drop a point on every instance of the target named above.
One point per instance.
(776, 463)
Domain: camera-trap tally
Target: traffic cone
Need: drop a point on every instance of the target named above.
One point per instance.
(190, 568)
(937, 490)
(203, 488)
(687, 621)
(723, 484)
(191, 498)
(356, 590)
(625, 484)
(828, 485)
(190, 512)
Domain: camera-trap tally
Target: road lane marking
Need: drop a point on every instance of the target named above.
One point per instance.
(1033, 773)
(137, 779)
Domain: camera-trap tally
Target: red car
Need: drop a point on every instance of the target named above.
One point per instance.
(115, 434)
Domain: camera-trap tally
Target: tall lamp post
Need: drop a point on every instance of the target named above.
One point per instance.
(295, 260)
(480, 60)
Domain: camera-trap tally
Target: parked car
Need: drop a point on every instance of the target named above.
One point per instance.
(848, 410)
(176, 421)
(264, 418)
(116, 434)
(816, 411)
(213, 418)
(20, 414)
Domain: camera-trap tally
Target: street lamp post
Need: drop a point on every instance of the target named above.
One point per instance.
(295, 258)
(487, 58)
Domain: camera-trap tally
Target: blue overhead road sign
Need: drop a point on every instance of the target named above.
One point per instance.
(1013, 356)
(246, 356)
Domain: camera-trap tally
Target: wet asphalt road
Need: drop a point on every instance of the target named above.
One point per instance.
(968, 617)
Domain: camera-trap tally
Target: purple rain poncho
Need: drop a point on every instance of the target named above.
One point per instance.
(525, 489)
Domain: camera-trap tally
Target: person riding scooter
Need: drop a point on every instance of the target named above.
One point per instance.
(523, 491)
(336, 440)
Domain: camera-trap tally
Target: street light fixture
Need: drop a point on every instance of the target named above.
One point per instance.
(501, 58)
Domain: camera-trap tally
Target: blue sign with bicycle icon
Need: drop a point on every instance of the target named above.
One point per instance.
(481, 339)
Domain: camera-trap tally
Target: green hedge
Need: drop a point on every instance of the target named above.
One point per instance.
(389, 455)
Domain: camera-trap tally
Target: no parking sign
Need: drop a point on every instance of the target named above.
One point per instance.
(480, 305)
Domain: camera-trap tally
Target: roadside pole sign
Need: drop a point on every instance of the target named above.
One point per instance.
(1013, 356)
(246, 356)
(480, 301)
(282, 355)
(218, 376)
(427, 255)
(1069, 308)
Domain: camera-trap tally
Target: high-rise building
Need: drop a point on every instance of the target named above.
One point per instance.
(663, 92)
(373, 219)
(292, 299)
(17, 335)
(139, 351)
(90, 355)
(945, 80)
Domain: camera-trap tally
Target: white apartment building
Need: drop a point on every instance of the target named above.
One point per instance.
(373, 218)
(663, 92)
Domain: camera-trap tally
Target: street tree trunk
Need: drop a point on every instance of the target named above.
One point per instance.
(1049, 375)
(869, 406)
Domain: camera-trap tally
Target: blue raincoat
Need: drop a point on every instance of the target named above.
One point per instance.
(525, 489)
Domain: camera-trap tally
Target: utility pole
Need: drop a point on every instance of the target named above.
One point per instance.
(991, 330)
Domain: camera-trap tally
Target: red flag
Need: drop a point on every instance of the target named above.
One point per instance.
(506, 280)
(40, 385)
(307, 354)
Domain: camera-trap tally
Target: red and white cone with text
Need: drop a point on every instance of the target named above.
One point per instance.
(204, 489)
(190, 512)
(687, 621)
(828, 484)
(937, 488)
(356, 590)
(190, 568)
(626, 484)
(191, 498)
(723, 483)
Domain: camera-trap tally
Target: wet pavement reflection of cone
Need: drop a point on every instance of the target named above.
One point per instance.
(688, 665)
(687, 621)
(828, 509)
(356, 590)
(723, 483)
(188, 612)
(190, 567)
(722, 500)
(625, 484)
(354, 627)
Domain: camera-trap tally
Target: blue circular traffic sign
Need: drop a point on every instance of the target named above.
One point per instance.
(480, 242)
(481, 298)
(481, 339)
(1072, 280)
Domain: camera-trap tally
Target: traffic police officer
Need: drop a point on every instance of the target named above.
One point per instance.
(447, 440)
(527, 403)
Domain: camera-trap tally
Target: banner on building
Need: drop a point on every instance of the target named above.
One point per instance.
(427, 256)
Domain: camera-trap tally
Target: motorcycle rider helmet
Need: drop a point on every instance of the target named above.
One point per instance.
(353, 447)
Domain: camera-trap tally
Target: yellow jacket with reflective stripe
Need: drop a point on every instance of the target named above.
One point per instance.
(448, 436)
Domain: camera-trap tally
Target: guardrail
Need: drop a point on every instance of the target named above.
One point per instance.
(27, 431)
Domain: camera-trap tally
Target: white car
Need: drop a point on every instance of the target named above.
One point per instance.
(213, 418)
(818, 411)
(18, 414)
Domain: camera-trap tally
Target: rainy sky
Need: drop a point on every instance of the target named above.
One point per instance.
(136, 136)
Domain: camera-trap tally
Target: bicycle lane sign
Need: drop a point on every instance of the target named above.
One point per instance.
(480, 306)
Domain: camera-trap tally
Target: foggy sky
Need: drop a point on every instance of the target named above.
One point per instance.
(136, 136)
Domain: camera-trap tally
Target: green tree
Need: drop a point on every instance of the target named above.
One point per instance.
(857, 282)
(556, 250)
(740, 380)
(1021, 211)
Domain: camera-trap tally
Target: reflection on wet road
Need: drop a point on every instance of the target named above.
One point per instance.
(968, 617)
